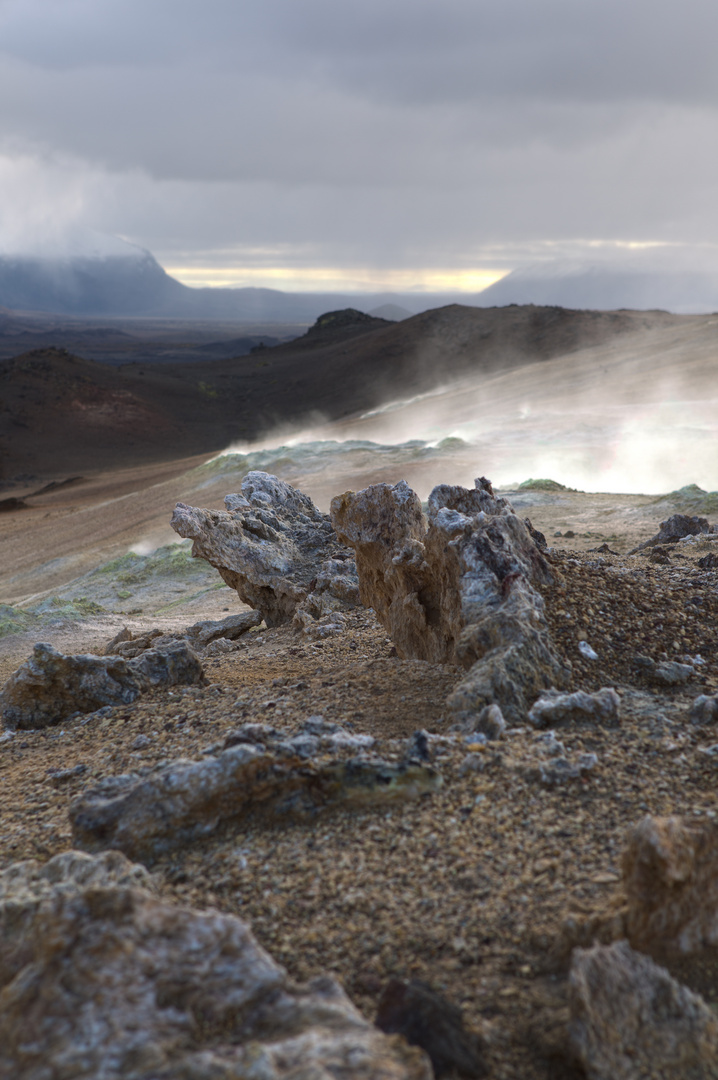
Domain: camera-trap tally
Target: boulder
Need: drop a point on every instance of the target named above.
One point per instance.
(275, 548)
(460, 588)
(670, 877)
(50, 686)
(100, 978)
(554, 709)
(630, 1019)
(182, 800)
(674, 529)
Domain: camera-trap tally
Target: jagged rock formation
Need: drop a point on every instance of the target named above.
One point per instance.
(49, 686)
(670, 875)
(460, 590)
(99, 978)
(630, 1019)
(255, 773)
(275, 548)
(199, 635)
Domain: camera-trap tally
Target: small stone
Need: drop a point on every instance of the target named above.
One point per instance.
(586, 651)
(554, 708)
(704, 710)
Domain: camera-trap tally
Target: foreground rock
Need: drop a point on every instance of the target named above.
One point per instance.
(99, 978)
(630, 1019)
(183, 801)
(458, 590)
(670, 875)
(276, 549)
(49, 686)
(553, 709)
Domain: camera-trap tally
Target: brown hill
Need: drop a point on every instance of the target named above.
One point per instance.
(62, 414)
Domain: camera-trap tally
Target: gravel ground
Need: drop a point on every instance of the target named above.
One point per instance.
(467, 888)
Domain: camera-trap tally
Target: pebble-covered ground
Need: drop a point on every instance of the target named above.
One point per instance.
(467, 888)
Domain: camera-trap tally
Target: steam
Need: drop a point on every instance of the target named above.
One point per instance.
(637, 416)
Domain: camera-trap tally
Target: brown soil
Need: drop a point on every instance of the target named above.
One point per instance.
(467, 889)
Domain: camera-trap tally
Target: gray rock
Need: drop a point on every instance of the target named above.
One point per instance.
(704, 710)
(182, 801)
(202, 633)
(674, 529)
(100, 978)
(460, 589)
(276, 549)
(672, 673)
(554, 709)
(630, 1019)
(50, 686)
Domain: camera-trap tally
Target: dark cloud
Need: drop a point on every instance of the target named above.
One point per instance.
(390, 131)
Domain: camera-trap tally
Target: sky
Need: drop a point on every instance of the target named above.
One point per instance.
(405, 144)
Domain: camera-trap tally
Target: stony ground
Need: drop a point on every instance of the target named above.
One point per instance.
(468, 888)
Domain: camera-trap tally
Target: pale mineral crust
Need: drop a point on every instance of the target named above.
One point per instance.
(670, 876)
(183, 801)
(99, 978)
(458, 589)
(49, 686)
(630, 1020)
(275, 548)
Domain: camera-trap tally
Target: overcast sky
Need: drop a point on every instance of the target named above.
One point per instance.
(309, 143)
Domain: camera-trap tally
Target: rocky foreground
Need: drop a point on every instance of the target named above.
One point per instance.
(451, 760)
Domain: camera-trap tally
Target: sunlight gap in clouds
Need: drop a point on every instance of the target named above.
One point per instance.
(312, 278)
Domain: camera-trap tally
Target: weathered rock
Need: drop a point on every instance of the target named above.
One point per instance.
(458, 590)
(99, 978)
(552, 765)
(664, 672)
(275, 548)
(670, 876)
(708, 562)
(704, 710)
(49, 686)
(630, 1019)
(428, 1020)
(674, 529)
(129, 645)
(203, 633)
(554, 709)
(184, 800)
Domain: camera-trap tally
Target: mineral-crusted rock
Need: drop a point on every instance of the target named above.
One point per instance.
(665, 672)
(489, 722)
(458, 590)
(99, 978)
(674, 529)
(670, 876)
(630, 1019)
(428, 1020)
(50, 686)
(184, 800)
(129, 645)
(704, 710)
(554, 709)
(274, 547)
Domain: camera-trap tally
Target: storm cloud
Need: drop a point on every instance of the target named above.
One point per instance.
(387, 136)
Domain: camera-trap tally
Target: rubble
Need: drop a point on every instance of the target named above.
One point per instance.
(459, 589)
(279, 780)
(630, 1019)
(98, 977)
(554, 709)
(49, 686)
(275, 548)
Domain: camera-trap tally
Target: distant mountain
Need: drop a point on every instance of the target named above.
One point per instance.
(606, 287)
(93, 275)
